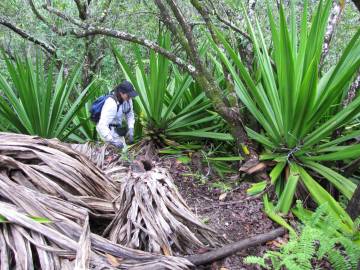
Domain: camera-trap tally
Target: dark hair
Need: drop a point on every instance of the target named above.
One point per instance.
(124, 87)
(127, 88)
(117, 89)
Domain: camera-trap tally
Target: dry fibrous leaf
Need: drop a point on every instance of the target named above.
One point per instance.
(153, 216)
(45, 178)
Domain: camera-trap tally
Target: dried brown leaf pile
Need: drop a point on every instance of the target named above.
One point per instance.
(151, 215)
(44, 178)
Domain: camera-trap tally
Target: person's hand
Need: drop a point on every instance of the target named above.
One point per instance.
(119, 145)
(131, 135)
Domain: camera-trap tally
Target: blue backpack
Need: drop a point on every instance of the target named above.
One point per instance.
(96, 107)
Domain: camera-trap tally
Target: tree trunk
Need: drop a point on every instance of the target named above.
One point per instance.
(333, 21)
(230, 114)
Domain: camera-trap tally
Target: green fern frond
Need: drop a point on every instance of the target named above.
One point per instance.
(325, 245)
(356, 227)
(318, 215)
(302, 263)
(320, 238)
(338, 261)
(351, 250)
(256, 260)
(292, 263)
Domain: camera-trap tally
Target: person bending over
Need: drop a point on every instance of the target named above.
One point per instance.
(117, 106)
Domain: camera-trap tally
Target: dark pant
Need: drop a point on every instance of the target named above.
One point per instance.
(121, 131)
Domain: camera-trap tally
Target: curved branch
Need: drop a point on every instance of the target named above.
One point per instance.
(187, 31)
(8, 51)
(46, 22)
(230, 24)
(91, 30)
(64, 16)
(231, 99)
(5, 22)
(82, 8)
(354, 88)
(105, 11)
(168, 22)
(205, 15)
(232, 248)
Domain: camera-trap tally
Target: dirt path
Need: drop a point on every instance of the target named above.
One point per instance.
(235, 222)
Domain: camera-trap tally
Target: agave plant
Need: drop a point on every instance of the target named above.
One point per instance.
(170, 107)
(296, 106)
(84, 129)
(36, 102)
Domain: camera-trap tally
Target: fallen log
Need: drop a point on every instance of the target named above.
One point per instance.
(230, 249)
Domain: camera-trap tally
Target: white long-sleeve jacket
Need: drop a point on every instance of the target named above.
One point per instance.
(111, 115)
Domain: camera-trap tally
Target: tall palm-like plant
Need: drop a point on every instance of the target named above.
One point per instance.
(37, 102)
(295, 104)
(84, 129)
(171, 106)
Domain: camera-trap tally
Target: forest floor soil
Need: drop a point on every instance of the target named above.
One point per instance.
(234, 221)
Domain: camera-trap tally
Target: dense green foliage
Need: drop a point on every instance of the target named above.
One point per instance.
(294, 107)
(170, 102)
(298, 108)
(71, 50)
(321, 238)
(137, 17)
(37, 102)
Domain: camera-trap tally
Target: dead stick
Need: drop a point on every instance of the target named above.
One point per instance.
(232, 248)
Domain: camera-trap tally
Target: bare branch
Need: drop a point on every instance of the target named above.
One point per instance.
(187, 31)
(37, 13)
(205, 15)
(8, 51)
(105, 11)
(101, 54)
(228, 23)
(203, 76)
(333, 21)
(46, 22)
(229, 97)
(97, 61)
(355, 86)
(64, 16)
(252, 5)
(167, 20)
(49, 48)
(87, 30)
(82, 9)
(230, 249)
(91, 30)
